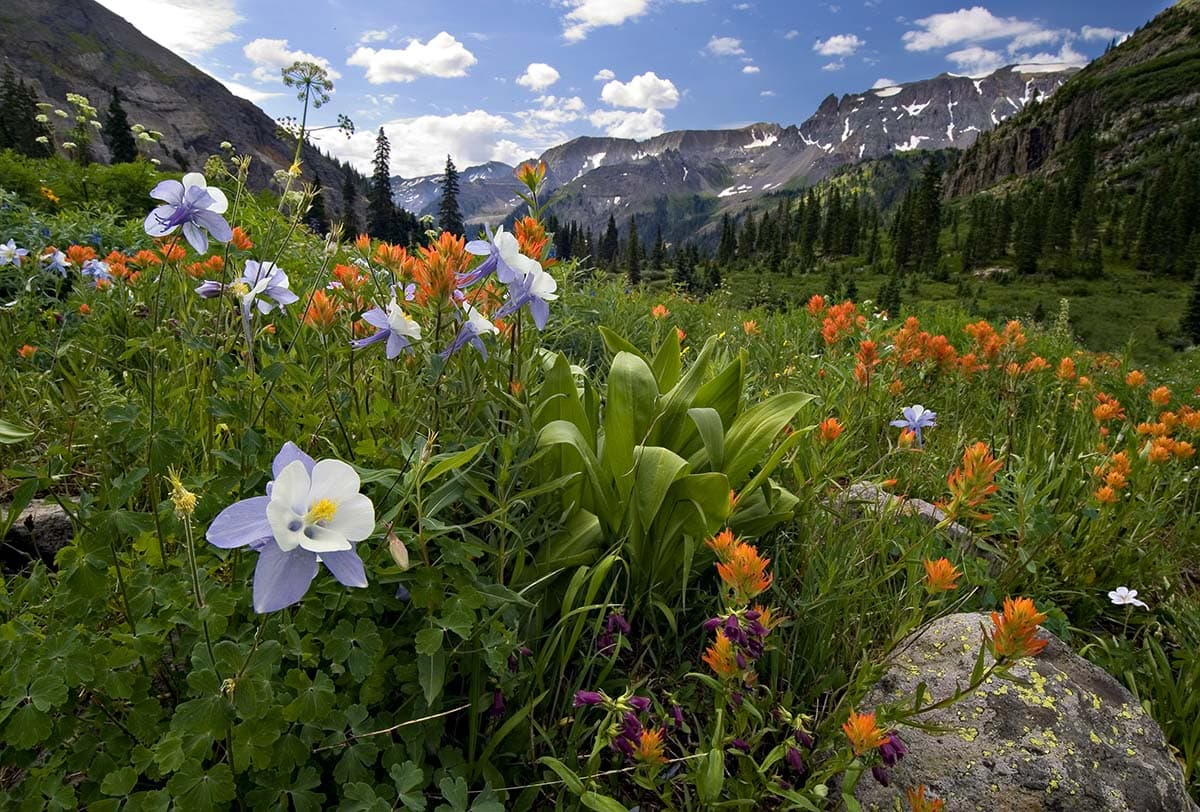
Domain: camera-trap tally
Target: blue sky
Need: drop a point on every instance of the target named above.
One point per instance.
(505, 79)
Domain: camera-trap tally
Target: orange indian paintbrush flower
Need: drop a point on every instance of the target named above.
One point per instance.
(940, 575)
(745, 573)
(971, 484)
(723, 543)
(1015, 631)
(650, 747)
(720, 657)
(863, 733)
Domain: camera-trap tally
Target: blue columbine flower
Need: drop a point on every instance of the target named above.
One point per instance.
(916, 417)
(312, 513)
(392, 324)
(97, 270)
(504, 258)
(475, 326)
(193, 205)
(264, 284)
(9, 253)
(55, 260)
(535, 288)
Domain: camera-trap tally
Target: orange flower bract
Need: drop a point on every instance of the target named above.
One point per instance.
(745, 573)
(1015, 631)
(27, 351)
(322, 311)
(918, 802)
(831, 429)
(659, 311)
(863, 733)
(650, 746)
(724, 542)
(940, 575)
(721, 658)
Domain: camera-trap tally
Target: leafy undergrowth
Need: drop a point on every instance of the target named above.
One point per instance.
(603, 561)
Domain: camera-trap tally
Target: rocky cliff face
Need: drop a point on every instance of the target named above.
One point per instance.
(486, 193)
(82, 47)
(1147, 86)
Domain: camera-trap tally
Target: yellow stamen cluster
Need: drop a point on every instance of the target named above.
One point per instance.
(323, 510)
(183, 499)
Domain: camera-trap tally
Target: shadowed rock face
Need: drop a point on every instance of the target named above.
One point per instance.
(1069, 738)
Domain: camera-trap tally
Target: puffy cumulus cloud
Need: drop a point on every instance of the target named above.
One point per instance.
(443, 56)
(375, 35)
(1034, 38)
(556, 110)
(1092, 33)
(629, 124)
(604, 75)
(838, 45)
(975, 24)
(270, 56)
(882, 82)
(751, 69)
(538, 76)
(646, 91)
(588, 14)
(420, 144)
(187, 27)
(725, 46)
(976, 60)
(1066, 55)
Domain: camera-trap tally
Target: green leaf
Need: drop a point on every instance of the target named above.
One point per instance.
(454, 790)
(711, 776)
(409, 781)
(431, 673)
(201, 788)
(119, 782)
(656, 470)
(755, 430)
(27, 727)
(712, 434)
(568, 776)
(628, 415)
(667, 363)
(616, 343)
(12, 434)
(601, 803)
(429, 641)
(560, 432)
(360, 797)
(450, 462)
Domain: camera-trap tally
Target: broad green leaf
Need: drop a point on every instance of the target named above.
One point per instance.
(712, 434)
(628, 415)
(560, 400)
(563, 433)
(568, 776)
(12, 434)
(431, 673)
(615, 343)
(601, 803)
(119, 782)
(667, 363)
(446, 463)
(429, 641)
(656, 470)
(755, 430)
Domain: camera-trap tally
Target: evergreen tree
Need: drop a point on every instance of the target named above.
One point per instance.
(1191, 315)
(117, 133)
(659, 254)
(19, 125)
(449, 216)
(727, 248)
(610, 245)
(634, 262)
(351, 225)
(683, 275)
(381, 211)
(316, 219)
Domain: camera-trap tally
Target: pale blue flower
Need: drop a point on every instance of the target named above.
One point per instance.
(474, 327)
(9, 253)
(312, 513)
(916, 417)
(56, 260)
(192, 205)
(535, 288)
(97, 270)
(392, 324)
(504, 258)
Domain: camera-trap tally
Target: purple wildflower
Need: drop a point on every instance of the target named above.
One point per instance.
(795, 760)
(583, 698)
(97, 270)
(474, 327)
(880, 774)
(504, 257)
(893, 749)
(497, 709)
(916, 418)
(639, 703)
(392, 325)
(312, 513)
(54, 260)
(195, 206)
(9, 253)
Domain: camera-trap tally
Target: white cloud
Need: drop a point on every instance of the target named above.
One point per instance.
(604, 75)
(976, 60)
(791, 34)
(375, 35)
(644, 91)
(1066, 56)
(725, 46)
(883, 82)
(766, 94)
(1034, 39)
(838, 45)
(538, 76)
(248, 93)
(1091, 33)
(588, 14)
(556, 110)
(443, 56)
(975, 24)
(743, 6)
(420, 144)
(751, 69)
(187, 27)
(270, 56)
(832, 66)
(629, 124)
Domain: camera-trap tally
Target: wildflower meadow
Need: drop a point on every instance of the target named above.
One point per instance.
(458, 526)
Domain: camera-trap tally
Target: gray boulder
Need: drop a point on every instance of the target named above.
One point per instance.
(862, 498)
(40, 531)
(1070, 738)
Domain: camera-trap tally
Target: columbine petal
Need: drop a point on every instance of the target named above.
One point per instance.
(333, 480)
(346, 567)
(292, 487)
(240, 524)
(220, 201)
(155, 221)
(196, 237)
(215, 223)
(194, 179)
(169, 191)
(355, 518)
(281, 579)
(288, 454)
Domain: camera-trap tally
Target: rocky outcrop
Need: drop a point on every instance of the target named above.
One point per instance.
(40, 531)
(864, 498)
(1062, 735)
(82, 47)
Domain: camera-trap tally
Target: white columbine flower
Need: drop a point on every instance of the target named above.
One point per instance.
(1124, 596)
